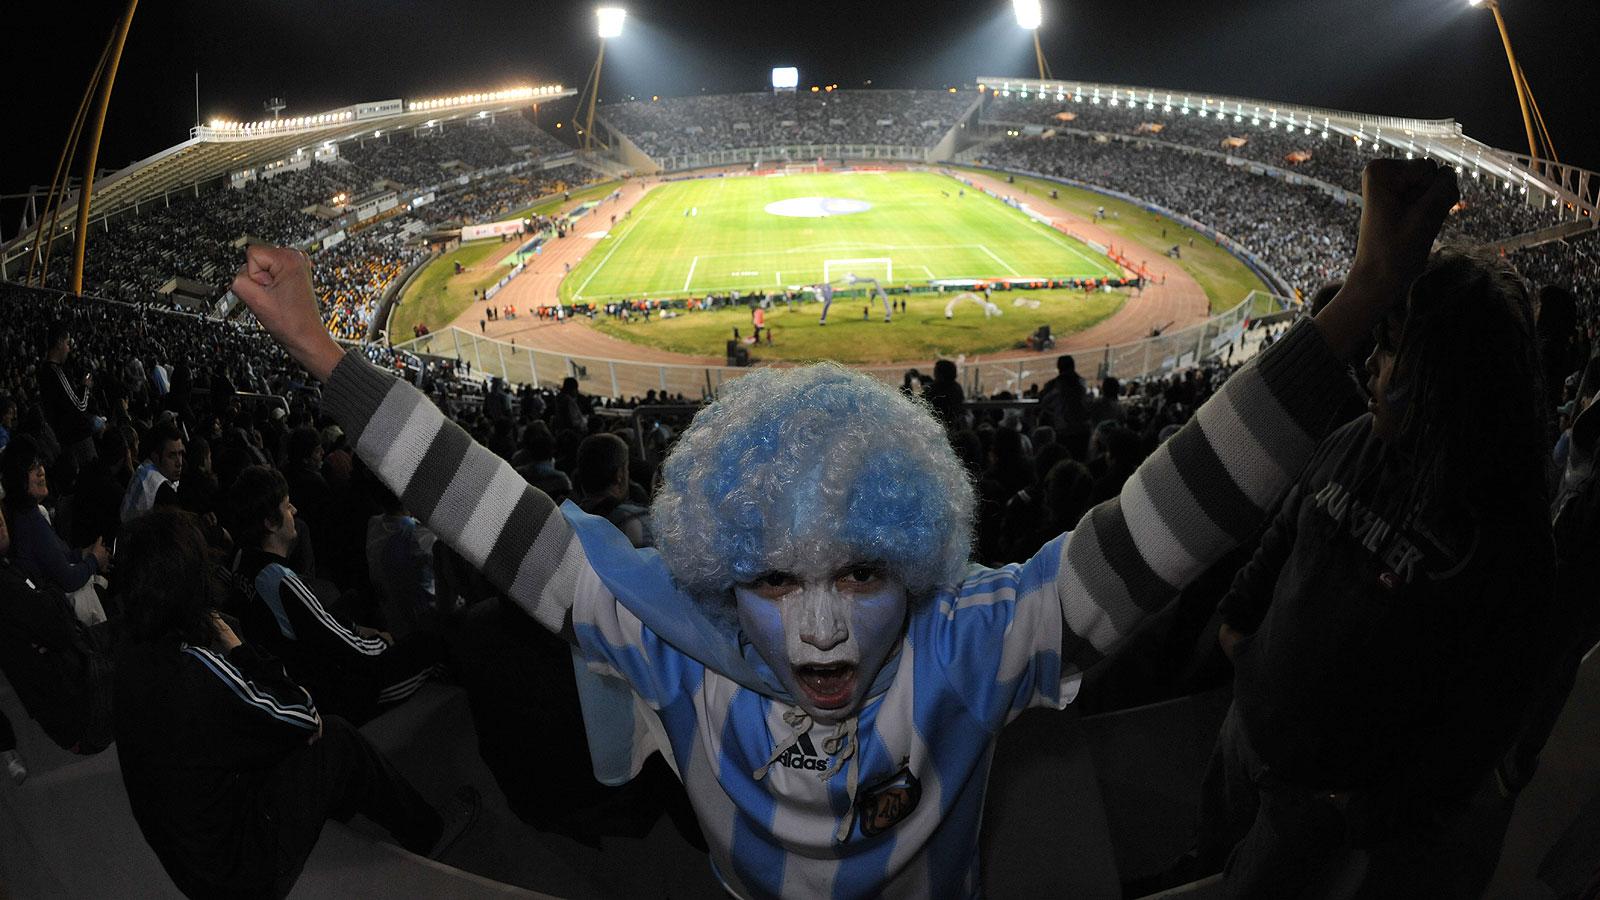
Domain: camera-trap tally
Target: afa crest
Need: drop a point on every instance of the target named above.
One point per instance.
(886, 803)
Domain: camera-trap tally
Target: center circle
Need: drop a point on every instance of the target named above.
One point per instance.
(816, 207)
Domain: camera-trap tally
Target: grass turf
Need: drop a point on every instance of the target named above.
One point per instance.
(716, 235)
(922, 332)
(438, 294)
(1220, 274)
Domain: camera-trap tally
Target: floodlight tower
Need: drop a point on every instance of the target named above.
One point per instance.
(608, 21)
(1531, 116)
(1030, 15)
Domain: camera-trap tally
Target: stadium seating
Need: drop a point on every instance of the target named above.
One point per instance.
(673, 126)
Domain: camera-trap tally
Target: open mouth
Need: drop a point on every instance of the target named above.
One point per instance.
(828, 686)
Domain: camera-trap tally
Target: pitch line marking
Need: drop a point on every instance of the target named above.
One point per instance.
(578, 294)
(1014, 272)
(690, 277)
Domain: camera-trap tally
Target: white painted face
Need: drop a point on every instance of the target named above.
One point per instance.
(825, 635)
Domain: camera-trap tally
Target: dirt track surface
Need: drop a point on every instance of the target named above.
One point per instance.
(1178, 303)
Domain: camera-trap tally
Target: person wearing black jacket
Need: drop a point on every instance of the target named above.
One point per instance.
(352, 670)
(1389, 629)
(61, 670)
(66, 403)
(230, 767)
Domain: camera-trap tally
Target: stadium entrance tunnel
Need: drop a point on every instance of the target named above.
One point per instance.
(816, 207)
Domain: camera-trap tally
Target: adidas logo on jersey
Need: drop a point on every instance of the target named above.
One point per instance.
(803, 755)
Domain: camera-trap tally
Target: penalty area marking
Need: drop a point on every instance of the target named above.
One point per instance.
(690, 277)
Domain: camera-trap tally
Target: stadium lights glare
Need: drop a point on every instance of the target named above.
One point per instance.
(1030, 13)
(610, 19)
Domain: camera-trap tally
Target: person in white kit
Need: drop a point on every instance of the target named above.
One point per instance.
(822, 665)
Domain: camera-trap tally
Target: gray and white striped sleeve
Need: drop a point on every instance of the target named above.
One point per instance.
(506, 528)
(1201, 493)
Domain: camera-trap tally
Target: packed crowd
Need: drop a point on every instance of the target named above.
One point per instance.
(1489, 211)
(674, 126)
(352, 276)
(496, 197)
(1299, 232)
(428, 156)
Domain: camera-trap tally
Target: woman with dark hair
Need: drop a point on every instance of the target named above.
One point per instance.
(35, 547)
(1388, 632)
(230, 769)
(60, 669)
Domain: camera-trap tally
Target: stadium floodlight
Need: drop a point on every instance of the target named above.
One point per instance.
(610, 19)
(786, 78)
(1030, 13)
(1538, 137)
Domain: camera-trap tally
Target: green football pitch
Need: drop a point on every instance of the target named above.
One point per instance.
(756, 233)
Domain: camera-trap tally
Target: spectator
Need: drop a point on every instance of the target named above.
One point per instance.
(156, 482)
(8, 420)
(400, 565)
(354, 670)
(1416, 543)
(603, 485)
(230, 766)
(60, 669)
(541, 471)
(1061, 406)
(35, 548)
(571, 408)
(944, 394)
(66, 401)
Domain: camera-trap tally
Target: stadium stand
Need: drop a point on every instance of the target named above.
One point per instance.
(1487, 213)
(674, 126)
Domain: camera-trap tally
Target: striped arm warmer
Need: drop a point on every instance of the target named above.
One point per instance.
(475, 501)
(1200, 494)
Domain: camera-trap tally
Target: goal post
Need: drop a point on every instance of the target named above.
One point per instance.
(881, 268)
(800, 169)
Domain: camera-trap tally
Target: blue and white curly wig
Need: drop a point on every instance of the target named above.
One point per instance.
(791, 470)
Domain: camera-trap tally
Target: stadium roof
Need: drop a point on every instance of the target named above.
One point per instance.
(221, 148)
(1441, 139)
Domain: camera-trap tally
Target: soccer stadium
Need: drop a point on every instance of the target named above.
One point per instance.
(1006, 485)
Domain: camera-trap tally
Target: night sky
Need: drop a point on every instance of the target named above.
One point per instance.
(1428, 58)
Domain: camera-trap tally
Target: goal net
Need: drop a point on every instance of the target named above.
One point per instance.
(800, 169)
(881, 268)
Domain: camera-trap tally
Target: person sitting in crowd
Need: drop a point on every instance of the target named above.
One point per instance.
(60, 668)
(400, 563)
(156, 483)
(540, 469)
(814, 528)
(354, 671)
(604, 488)
(1415, 546)
(231, 767)
(39, 553)
(8, 420)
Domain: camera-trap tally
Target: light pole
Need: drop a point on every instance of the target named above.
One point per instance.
(1530, 108)
(1030, 15)
(608, 21)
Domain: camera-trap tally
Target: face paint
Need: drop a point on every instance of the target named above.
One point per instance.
(825, 637)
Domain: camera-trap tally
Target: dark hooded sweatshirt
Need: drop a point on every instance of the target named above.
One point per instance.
(1394, 640)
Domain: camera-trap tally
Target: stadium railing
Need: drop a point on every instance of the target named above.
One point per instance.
(631, 378)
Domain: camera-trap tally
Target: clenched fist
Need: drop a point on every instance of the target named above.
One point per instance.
(275, 282)
(1404, 203)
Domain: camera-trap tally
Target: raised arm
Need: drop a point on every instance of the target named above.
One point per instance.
(1211, 486)
(471, 498)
